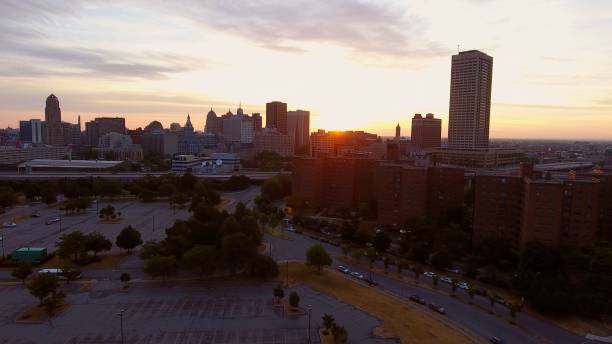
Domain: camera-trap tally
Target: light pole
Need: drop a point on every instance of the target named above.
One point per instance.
(2, 240)
(287, 274)
(309, 312)
(120, 314)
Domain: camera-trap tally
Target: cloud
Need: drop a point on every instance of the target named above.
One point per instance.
(379, 28)
(28, 50)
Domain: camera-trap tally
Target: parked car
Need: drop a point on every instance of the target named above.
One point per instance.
(371, 282)
(464, 285)
(35, 214)
(357, 275)
(496, 340)
(343, 269)
(428, 274)
(52, 221)
(446, 279)
(9, 225)
(418, 299)
(57, 272)
(437, 308)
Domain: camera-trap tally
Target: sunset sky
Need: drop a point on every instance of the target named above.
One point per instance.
(354, 64)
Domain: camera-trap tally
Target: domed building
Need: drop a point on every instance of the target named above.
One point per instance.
(214, 124)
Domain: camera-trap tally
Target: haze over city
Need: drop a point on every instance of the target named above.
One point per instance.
(354, 64)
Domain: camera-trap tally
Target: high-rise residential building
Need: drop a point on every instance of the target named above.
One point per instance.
(298, 125)
(470, 100)
(276, 116)
(520, 209)
(31, 131)
(102, 126)
(426, 132)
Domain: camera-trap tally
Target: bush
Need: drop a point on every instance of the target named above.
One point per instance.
(294, 299)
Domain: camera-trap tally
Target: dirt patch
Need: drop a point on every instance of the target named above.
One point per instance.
(400, 319)
(102, 262)
(36, 314)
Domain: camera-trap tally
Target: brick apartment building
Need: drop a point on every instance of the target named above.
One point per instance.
(401, 191)
(559, 211)
(335, 183)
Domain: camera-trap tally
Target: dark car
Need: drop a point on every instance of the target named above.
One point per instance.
(437, 308)
(496, 340)
(418, 299)
(52, 221)
(371, 282)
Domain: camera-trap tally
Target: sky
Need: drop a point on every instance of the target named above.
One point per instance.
(364, 65)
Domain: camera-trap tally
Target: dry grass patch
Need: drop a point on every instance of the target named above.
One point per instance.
(105, 261)
(399, 319)
(39, 313)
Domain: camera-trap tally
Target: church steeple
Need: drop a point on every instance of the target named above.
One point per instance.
(188, 125)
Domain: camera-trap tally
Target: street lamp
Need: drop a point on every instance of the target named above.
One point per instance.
(2, 241)
(309, 313)
(120, 314)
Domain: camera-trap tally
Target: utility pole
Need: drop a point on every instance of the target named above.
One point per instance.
(309, 313)
(287, 274)
(120, 314)
(2, 240)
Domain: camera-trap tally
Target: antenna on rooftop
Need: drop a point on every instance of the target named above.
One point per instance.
(458, 45)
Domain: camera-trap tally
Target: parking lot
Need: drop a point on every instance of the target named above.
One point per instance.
(179, 313)
(151, 219)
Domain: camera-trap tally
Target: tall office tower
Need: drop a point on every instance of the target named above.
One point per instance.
(276, 116)
(30, 131)
(398, 132)
(425, 132)
(470, 100)
(101, 126)
(256, 121)
(298, 125)
(53, 122)
(214, 124)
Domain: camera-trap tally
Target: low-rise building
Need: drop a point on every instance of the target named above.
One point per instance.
(271, 140)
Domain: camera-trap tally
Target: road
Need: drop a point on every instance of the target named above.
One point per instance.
(8, 176)
(475, 319)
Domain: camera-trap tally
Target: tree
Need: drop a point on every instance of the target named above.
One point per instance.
(160, 266)
(71, 273)
(294, 299)
(471, 293)
(372, 255)
(178, 200)
(97, 242)
(346, 249)
(318, 257)
(263, 267)
(340, 335)
(53, 301)
(201, 259)
(128, 238)
(146, 195)
(386, 262)
(435, 279)
(150, 249)
(42, 285)
(71, 245)
(381, 241)
(492, 298)
(454, 285)
(417, 273)
(108, 212)
(514, 308)
(125, 279)
(278, 292)
(238, 250)
(328, 321)
(22, 271)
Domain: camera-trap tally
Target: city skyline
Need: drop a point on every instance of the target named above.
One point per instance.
(548, 83)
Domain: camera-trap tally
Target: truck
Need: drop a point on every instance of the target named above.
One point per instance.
(29, 255)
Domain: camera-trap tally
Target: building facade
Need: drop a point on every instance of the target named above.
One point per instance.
(101, 126)
(276, 116)
(470, 100)
(298, 125)
(31, 131)
(271, 140)
(426, 132)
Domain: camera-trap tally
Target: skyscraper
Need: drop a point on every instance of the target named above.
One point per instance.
(276, 116)
(470, 100)
(53, 122)
(298, 125)
(425, 132)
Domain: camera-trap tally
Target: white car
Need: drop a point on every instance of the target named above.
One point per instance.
(446, 279)
(429, 274)
(357, 275)
(343, 269)
(56, 272)
(464, 286)
(9, 225)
